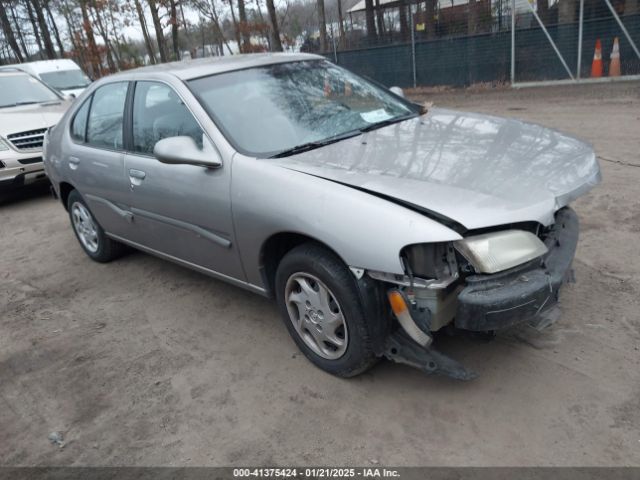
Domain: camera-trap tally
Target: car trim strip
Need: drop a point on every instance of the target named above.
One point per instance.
(193, 266)
(223, 242)
(129, 215)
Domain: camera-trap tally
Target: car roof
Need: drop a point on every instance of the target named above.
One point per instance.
(44, 66)
(8, 71)
(202, 67)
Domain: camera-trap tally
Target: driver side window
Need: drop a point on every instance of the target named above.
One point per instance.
(158, 112)
(104, 128)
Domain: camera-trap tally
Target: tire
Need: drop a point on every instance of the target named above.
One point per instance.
(310, 265)
(103, 249)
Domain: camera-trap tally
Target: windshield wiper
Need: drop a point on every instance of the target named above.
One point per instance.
(18, 104)
(390, 121)
(305, 147)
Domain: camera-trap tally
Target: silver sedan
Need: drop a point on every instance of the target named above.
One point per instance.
(373, 222)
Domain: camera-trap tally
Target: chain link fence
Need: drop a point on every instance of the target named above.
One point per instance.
(462, 42)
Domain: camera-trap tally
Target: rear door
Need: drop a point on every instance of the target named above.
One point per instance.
(182, 211)
(96, 156)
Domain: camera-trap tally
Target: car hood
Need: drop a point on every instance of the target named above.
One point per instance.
(30, 117)
(475, 170)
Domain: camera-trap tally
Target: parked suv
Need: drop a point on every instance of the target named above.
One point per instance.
(372, 222)
(27, 109)
(63, 75)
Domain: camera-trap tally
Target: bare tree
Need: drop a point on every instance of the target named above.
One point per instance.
(54, 27)
(65, 11)
(103, 33)
(262, 23)
(380, 19)
(19, 31)
(112, 7)
(322, 26)
(145, 31)
(404, 21)
(244, 27)
(341, 24)
(209, 9)
(44, 29)
(371, 22)
(236, 28)
(157, 26)
(276, 44)
(34, 26)
(94, 55)
(173, 20)
(8, 33)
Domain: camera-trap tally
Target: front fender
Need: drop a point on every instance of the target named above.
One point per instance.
(364, 230)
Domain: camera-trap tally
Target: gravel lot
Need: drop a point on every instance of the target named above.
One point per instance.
(141, 362)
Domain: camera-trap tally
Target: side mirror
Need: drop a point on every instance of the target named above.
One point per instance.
(184, 151)
(398, 91)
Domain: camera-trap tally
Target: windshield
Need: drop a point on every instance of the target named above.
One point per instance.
(271, 109)
(22, 89)
(65, 79)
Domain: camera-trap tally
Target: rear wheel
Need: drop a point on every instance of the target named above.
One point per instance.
(322, 310)
(89, 233)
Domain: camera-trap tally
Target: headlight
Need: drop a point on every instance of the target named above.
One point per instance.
(3, 145)
(497, 251)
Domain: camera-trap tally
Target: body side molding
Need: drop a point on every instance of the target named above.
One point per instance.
(129, 216)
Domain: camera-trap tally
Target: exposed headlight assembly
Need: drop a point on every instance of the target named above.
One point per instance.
(497, 251)
(3, 145)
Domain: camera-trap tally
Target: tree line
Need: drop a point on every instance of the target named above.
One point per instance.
(92, 31)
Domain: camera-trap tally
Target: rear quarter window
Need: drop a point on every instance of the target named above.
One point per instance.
(79, 122)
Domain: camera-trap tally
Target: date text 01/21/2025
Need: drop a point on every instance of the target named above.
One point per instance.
(315, 473)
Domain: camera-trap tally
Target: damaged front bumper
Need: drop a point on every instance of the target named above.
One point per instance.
(518, 295)
(527, 293)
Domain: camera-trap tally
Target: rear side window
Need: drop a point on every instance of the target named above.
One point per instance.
(79, 124)
(158, 112)
(104, 129)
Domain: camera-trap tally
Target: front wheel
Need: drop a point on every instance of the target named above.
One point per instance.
(89, 233)
(322, 310)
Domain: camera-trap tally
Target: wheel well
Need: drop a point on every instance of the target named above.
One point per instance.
(275, 248)
(65, 190)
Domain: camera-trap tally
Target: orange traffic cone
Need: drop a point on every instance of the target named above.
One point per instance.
(596, 65)
(614, 66)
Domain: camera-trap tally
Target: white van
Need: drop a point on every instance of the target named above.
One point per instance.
(63, 75)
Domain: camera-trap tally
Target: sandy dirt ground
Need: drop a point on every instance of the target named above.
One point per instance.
(141, 362)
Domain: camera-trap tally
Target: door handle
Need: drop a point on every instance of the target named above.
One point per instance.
(136, 177)
(73, 162)
(139, 174)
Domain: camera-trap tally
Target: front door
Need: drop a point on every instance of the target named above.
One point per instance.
(182, 211)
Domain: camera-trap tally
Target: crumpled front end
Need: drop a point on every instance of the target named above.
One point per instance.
(522, 293)
(442, 288)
